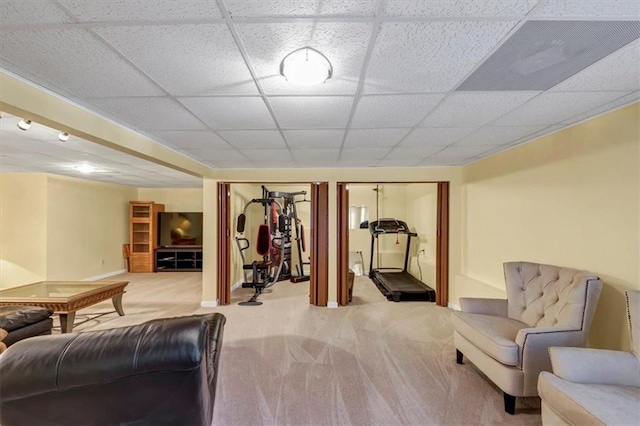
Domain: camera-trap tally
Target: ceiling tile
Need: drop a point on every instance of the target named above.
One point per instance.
(259, 155)
(314, 138)
(492, 136)
(150, 113)
(313, 112)
(363, 153)
(344, 44)
(394, 110)
(551, 108)
(461, 152)
(325, 155)
(354, 163)
(459, 8)
(231, 113)
(254, 139)
(618, 71)
(441, 162)
(300, 8)
(421, 57)
(142, 10)
(19, 12)
(73, 60)
(436, 136)
(194, 59)
(398, 163)
(374, 137)
(624, 100)
(588, 9)
(230, 155)
(412, 152)
(187, 139)
(475, 109)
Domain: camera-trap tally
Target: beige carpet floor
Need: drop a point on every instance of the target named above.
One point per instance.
(287, 363)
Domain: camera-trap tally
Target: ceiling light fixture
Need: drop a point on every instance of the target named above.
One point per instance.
(24, 124)
(63, 136)
(85, 168)
(306, 66)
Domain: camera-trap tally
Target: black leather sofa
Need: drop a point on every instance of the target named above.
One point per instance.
(24, 321)
(157, 373)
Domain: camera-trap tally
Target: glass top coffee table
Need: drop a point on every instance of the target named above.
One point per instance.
(65, 297)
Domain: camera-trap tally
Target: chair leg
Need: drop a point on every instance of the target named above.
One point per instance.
(458, 357)
(509, 403)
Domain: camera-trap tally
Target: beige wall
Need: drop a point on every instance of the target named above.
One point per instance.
(23, 229)
(568, 199)
(422, 214)
(174, 199)
(60, 228)
(87, 224)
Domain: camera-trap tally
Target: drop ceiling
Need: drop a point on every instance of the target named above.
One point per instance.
(414, 81)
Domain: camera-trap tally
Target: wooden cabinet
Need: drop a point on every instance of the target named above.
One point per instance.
(143, 219)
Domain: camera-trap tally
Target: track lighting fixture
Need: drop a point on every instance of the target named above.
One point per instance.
(63, 136)
(24, 124)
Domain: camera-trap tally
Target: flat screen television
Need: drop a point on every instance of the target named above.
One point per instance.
(179, 229)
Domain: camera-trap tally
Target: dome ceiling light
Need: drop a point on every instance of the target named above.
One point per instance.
(63, 136)
(306, 67)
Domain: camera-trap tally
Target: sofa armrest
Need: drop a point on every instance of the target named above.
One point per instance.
(70, 361)
(474, 305)
(595, 366)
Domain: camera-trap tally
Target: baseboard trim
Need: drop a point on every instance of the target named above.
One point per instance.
(237, 285)
(332, 305)
(209, 304)
(107, 275)
(453, 306)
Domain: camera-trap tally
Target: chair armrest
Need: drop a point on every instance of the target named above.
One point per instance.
(534, 344)
(595, 366)
(62, 362)
(474, 305)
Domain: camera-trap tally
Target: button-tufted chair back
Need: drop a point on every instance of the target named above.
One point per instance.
(551, 296)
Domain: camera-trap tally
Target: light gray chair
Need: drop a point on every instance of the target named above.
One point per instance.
(594, 386)
(508, 339)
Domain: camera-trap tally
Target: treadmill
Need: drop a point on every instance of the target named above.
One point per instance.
(395, 283)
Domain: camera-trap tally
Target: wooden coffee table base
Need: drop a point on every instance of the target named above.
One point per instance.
(68, 319)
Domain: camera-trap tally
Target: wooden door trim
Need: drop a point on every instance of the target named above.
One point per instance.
(224, 243)
(319, 283)
(442, 245)
(342, 214)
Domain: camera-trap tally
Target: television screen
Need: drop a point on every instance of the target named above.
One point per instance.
(179, 229)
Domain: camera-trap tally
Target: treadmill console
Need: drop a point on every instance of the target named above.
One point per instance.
(388, 226)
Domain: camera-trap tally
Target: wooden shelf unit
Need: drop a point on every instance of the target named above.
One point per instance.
(178, 259)
(143, 234)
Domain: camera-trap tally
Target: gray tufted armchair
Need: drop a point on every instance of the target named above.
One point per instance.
(508, 339)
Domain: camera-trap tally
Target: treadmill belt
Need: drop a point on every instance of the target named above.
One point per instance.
(402, 286)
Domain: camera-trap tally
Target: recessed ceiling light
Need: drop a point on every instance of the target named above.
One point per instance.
(85, 168)
(63, 136)
(306, 67)
(24, 124)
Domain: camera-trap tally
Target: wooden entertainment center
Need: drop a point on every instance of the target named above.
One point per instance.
(143, 220)
(144, 253)
(178, 259)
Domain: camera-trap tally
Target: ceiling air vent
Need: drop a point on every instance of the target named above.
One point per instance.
(542, 54)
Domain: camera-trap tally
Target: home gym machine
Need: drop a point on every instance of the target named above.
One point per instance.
(273, 243)
(395, 283)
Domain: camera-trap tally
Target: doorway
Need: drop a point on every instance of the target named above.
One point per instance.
(294, 247)
(423, 206)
